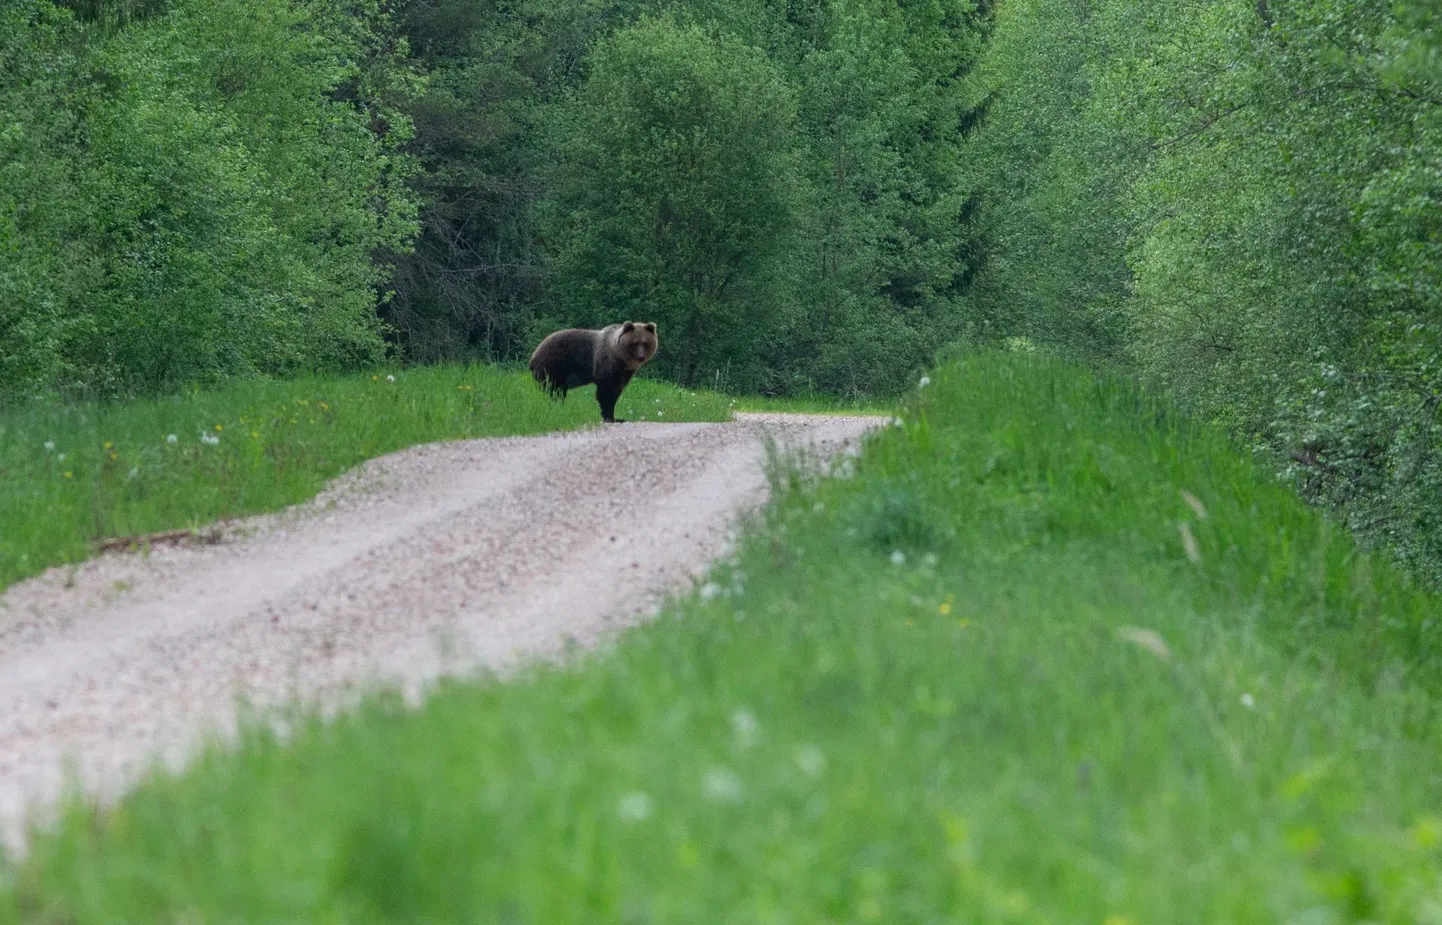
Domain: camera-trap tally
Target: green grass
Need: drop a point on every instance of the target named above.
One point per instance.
(989, 678)
(812, 404)
(70, 475)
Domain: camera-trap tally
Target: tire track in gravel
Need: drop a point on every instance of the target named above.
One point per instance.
(439, 559)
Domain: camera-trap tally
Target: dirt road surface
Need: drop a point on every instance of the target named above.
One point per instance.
(431, 561)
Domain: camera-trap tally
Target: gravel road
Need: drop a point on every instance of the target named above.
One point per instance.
(438, 559)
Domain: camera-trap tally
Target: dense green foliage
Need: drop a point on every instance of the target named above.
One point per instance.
(194, 191)
(778, 186)
(74, 474)
(1050, 656)
(1242, 201)
(677, 196)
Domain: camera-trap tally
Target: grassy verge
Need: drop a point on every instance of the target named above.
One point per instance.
(1006, 672)
(70, 475)
(811, 404)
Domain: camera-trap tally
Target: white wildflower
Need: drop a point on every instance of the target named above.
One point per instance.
(49, 445)
(898, 557)
(635, 807)
(810, 760)
(925, 381)
(743, 722)
(1249, 701)
(721, 785)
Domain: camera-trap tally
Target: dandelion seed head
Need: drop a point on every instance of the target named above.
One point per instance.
(49, 445)
(390, 378)
(709, 590)
(898, 557)
(744, 724)
(635, 807)
(925, 381)
(722, 785)
(810, 760)
(1249, 701)
(171, 438)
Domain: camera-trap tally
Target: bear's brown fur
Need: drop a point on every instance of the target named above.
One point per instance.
(609, 357)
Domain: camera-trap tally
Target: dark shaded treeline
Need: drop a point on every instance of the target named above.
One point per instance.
(776, 184)
(199, 189)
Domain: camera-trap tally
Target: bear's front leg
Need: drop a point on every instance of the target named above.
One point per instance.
(606, 396)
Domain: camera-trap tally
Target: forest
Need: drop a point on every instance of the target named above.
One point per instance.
(1236, 202)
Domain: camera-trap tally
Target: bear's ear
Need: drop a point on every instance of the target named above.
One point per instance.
(651, 326)
(628, 327)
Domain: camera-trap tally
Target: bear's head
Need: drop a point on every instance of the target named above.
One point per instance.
(637, 342)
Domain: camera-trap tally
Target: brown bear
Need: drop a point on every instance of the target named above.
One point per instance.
(609, 357)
